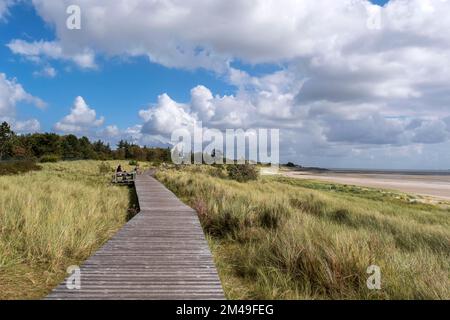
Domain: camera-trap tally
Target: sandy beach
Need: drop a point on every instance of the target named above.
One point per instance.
(435, 186)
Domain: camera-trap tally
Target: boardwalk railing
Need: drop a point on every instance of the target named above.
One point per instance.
(161, 253)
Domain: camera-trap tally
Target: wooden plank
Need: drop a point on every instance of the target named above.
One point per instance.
(160, 254)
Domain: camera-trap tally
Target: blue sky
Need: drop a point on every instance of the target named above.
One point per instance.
(163, 69)
(380, 2)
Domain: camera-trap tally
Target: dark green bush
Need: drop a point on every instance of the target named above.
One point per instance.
(50, 158)
(290, 165)
(242, 172)
(133, 163)
(16, 167)
(269, 220)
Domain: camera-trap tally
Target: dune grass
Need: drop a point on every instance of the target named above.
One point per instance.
(280, 238)
(54, 218)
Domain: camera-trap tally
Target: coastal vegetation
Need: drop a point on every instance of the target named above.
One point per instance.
(282, 238)
(56, 217)
(16, 167)
(51, 147)
(272, 237)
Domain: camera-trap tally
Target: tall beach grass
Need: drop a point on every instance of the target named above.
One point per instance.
(54, 218)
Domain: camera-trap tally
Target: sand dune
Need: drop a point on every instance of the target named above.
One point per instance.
(436, 186)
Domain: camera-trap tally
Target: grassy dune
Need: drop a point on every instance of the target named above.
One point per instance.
(54, 218)
(292, 239)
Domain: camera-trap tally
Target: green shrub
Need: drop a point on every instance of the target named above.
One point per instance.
(242, 172)
(16, 167)
(290, 165)
(49, 158)
(133, 163)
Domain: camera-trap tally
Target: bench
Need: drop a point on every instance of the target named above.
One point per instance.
(124, 178)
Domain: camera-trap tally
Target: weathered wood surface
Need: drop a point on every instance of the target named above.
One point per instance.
(161, 253)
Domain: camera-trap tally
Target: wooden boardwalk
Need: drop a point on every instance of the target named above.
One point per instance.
(161, 253)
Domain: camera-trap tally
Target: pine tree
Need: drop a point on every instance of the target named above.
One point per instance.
(6, 137)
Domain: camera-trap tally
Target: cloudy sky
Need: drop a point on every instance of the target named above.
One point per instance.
(349, 83)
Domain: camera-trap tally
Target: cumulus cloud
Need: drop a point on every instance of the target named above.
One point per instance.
(82, 119)
(328, 129)
(11, 93)
(26, 126)
(166, 116)
(136, 135)
(173, 32)
(110, 132)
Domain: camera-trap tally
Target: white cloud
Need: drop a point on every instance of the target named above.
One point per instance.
(325, 43)
(47, 72)
(4, 8)
(201, 103)
(166, 116)
(22, 126)
(110, 132)
(82, 119)
(192, 33)
(27, 126)
(38, 50)
(12, 93)
(327, 129)
(112, 135)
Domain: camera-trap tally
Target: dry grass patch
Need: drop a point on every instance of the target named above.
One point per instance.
(54, 218)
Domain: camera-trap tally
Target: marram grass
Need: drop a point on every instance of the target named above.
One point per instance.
(274, 238)
(54, 218)
(279, 238)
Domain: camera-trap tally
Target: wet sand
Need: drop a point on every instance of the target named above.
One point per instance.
(435, 186)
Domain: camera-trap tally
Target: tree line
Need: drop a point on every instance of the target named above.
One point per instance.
(38, 146)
